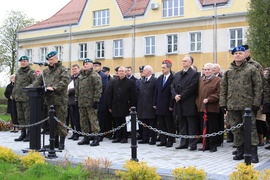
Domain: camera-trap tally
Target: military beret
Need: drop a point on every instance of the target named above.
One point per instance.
(141, 68)
(167, 61)
(245, 46)
(105, 69)
(23, 58)
(87, 60)
(97, 62)
(51, 54)
(116, 69)
(239, 48)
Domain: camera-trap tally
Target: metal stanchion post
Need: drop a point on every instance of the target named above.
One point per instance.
(247, 136)
(133, 146)
(51, 151)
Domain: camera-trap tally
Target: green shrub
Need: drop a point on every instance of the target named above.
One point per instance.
(43, 171)
(32, 158)
(8, 155)
(190, 173)
(265, 175)
(244, 172)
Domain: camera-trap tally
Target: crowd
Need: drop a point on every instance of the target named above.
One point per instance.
(93, 101)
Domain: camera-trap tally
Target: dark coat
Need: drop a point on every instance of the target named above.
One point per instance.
(185, 84)
(71, 92)
(102, 101)
(8, 93)
(132, 78)
(163, 98)
(145, 104)
(121, 96)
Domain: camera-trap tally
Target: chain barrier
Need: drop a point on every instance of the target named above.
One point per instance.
(92, 134)
(31, 125)
(189, 136)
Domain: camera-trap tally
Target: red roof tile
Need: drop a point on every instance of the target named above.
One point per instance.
(127, 8)
(69, 14)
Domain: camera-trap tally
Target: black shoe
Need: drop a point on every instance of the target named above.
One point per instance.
(267, 147)
(62, 143)
(169, 144)
(181, 147)
(192, 148)
(143, 142)
(22, 136)
(116, 140)
(162, 144)
(229, 141)
(213, 149)
(95, 142)
(76, 137)
(261, 144)
(205, 149)
(26, 139)
(152, 143)
(85, 140)
(124, 140)
(71, 137)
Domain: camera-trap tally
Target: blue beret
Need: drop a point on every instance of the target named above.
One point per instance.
(141, 68)
(51, 54)
(239, 48)
(87, 60)
(24, 58)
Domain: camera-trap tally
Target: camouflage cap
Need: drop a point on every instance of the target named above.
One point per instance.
(23, 58)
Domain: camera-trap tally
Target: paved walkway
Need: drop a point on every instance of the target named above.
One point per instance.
(217, 165)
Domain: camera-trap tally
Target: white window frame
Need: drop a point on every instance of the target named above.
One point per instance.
(82, 50)
(42, 54)
(29, 53)
(150, 46)
(118, 48)
(236, 37)
(100, 50)
(172, 8)
(173, 44)
(101, 17)
(59, 50)
(195, 42)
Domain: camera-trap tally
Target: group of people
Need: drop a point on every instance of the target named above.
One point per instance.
(92, 101)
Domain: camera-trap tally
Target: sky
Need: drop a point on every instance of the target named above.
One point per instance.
(36, 9)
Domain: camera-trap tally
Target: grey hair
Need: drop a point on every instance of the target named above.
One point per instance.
(209, 64)
(149, 68)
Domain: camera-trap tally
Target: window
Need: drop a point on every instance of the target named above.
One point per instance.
(42, 55)
(100, 49)
(236, 37)
(150, 45)
(59, 50)
(172, 43)
(118, 48)
(29, 53)
(83, 51)
(195, 40)
(172, 8)
(101, 18)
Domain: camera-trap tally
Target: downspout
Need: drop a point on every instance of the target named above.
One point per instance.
(69, 47)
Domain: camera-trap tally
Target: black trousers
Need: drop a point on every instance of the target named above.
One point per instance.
(74, 117)
(101, 115)
(188, 125)
(121, 133)
(212, 126)
(166, 124)
(147, 133)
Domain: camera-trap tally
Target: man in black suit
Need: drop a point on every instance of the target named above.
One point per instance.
(129, 74)
(121, 97)
(184, 88)
(146, 112)
(163, 103)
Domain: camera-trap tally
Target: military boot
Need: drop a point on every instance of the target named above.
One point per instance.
(239, 155)
(27, 137)
(254, 154)
(22, 136)
(62, 143)
(85, 140)
(95, 142)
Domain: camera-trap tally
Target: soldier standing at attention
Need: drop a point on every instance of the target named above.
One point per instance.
(240, 88)
(87, 94)
(56, 79)
(24, 77)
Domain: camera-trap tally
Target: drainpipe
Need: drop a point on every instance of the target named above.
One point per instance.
(69, 47)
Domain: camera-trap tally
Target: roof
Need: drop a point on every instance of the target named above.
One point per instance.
(128, 8)
(69, 14)
(211, 2)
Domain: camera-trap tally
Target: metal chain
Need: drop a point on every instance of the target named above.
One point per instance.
(92, 134)
(31, 125)
(190, 136)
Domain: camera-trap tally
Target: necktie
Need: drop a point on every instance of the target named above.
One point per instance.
(164, 81)
(146, 79)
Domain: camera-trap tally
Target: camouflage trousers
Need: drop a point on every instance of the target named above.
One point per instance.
(61, 114)
(23, 113)
(89, 121)
(236, 117)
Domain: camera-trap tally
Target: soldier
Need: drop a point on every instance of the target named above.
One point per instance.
(24, 77)
(56, 79)
(87, 94)
(241, 88)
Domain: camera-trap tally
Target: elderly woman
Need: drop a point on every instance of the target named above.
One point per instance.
(208, 97)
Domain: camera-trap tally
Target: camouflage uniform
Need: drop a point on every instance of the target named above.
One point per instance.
(241, 87)
(24, 77)
(56, 77)
(88, 91)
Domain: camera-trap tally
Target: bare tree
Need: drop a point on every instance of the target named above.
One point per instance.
(15, 21)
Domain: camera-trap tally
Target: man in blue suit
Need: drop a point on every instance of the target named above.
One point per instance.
(163, 103)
